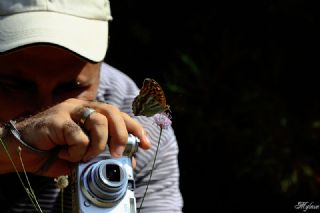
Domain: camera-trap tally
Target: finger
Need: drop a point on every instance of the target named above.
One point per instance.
(118, 134)
(134, 162)
(136, 129)
(76, 141)
(97, 128)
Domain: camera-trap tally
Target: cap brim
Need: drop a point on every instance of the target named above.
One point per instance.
(86, 37)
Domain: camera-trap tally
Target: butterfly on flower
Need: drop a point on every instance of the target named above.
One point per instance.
(150, 100)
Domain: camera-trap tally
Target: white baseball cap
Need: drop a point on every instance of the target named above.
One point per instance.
(78, 25)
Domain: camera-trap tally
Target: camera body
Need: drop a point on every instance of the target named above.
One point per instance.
(106, 184)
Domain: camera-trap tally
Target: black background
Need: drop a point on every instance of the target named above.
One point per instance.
(241, 78)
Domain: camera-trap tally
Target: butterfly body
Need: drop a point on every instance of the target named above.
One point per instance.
(151, 99)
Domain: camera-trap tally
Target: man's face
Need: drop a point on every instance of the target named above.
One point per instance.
(35, 78)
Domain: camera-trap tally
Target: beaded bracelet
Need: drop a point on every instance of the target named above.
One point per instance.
(15, 132)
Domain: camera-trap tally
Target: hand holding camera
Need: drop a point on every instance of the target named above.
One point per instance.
(60, 127)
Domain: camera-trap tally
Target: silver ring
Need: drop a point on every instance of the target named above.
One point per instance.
(86, 114)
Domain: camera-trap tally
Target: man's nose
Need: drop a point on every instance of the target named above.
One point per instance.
(44, 101)
(40, 102)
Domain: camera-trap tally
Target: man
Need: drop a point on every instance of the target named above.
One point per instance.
(57, 96)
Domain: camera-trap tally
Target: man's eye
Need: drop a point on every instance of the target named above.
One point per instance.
(11, 86)
(70, 86)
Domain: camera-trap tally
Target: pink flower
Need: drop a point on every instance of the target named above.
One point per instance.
(163, 120)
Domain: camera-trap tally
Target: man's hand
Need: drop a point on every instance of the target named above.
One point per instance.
(59, 127)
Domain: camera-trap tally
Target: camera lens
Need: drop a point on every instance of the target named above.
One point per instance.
(105, 182)
(113, 172)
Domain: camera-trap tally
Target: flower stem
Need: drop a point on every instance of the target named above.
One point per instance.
(34, 200)
(62, 190)
(30, 194)
(153, 164)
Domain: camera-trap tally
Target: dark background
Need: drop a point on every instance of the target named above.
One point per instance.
(241, 78)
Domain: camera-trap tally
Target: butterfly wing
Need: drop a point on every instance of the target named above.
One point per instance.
(151, 99)
(147, 106)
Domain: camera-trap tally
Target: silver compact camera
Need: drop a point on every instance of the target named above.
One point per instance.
(106, 184)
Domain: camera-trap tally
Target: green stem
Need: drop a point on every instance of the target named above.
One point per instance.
(154, 161)
(62, 200)
(18, 174)
(36, 204)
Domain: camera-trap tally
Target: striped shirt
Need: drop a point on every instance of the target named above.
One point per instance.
(163, 193)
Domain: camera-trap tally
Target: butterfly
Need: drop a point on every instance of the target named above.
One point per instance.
(150, 100)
